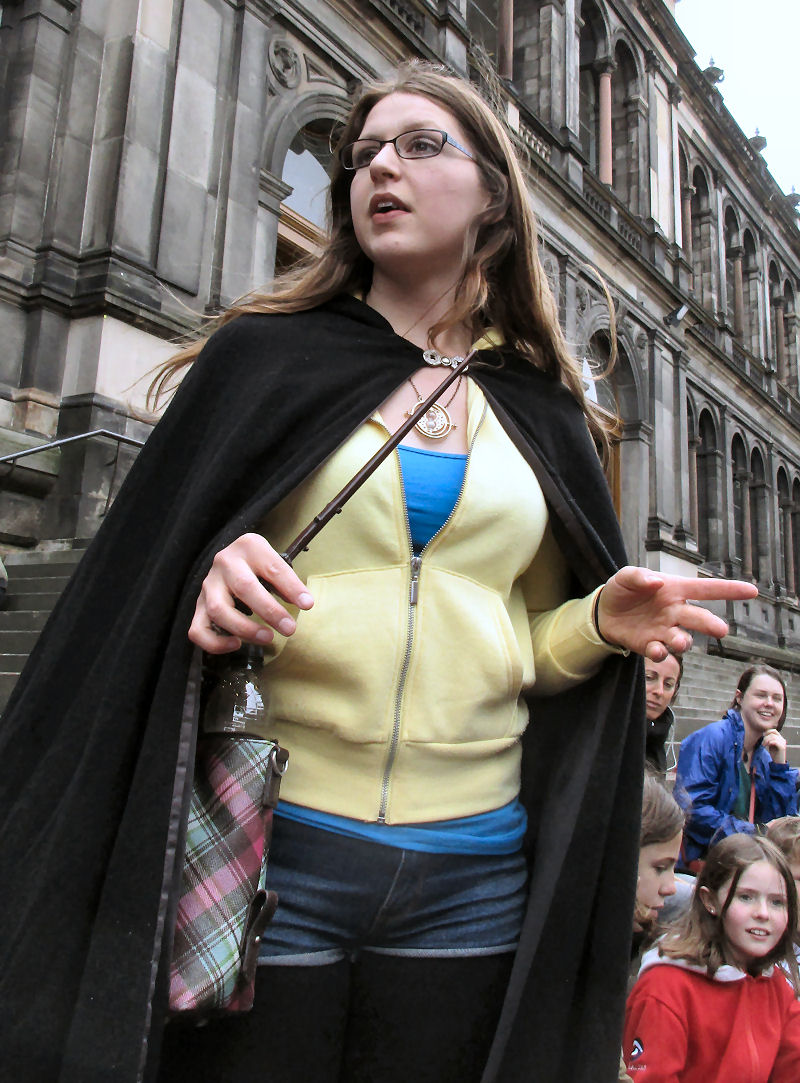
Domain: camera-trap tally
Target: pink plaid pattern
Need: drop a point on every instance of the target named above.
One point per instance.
(223, 907)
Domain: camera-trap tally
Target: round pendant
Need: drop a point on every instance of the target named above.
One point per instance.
(435, 423)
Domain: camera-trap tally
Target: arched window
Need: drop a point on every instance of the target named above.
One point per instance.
(686, 204)
(306, 170)
(796, 532)
(482, 21)
(776, 327)
(605, 391)
(750, 316)
(786, 547)
(592, 47)
(625, 127)
(741, 507)
(758, 518)
(790, 328)
(702, 240)
(709, 511)
(733, 272)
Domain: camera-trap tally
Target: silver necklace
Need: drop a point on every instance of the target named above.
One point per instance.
(435, 423)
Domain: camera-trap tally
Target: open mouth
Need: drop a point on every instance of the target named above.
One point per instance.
(384, 205)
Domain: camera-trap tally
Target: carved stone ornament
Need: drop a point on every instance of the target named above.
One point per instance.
(582, 298)
(284, 61)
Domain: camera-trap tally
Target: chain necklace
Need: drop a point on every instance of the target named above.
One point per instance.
(435, 423)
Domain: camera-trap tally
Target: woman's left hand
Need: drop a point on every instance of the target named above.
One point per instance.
(650, 613)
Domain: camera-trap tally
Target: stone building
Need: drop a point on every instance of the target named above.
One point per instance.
(161, 157)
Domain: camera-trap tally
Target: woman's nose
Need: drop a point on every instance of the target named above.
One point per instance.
(386, 160)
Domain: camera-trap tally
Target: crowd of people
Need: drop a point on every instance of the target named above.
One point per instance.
(715, 982)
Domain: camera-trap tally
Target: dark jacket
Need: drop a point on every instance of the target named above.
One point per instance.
(658, 731)
(97, 742)
(707, 783)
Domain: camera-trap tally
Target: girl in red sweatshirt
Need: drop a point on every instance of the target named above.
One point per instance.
(710, 1005)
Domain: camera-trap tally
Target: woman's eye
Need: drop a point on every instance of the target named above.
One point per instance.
(745, 896)
(364, 155)
(423, 145)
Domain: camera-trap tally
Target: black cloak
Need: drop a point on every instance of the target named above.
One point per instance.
(96, 742)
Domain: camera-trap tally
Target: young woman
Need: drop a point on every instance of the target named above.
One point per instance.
(662, 681)
(732, 775)
(710, 1005)
(481, 566)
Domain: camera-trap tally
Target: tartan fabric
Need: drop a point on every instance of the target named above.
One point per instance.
(222, 902)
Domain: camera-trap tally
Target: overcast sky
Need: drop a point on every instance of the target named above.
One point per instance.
(758, 46)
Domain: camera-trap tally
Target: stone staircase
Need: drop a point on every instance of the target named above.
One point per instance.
(35, 582)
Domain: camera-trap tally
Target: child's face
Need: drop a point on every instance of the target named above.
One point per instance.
(757, 917)
(657, 875)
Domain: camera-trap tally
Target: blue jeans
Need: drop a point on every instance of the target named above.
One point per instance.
(341, 895)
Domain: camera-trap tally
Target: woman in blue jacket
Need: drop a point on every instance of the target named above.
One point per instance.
(732, 775)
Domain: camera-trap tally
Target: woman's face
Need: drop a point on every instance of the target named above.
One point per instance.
(657, 874)
(757, 916)
(762, 704)
(411, 215)
(661, 679)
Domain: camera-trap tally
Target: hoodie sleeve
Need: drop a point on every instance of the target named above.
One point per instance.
(655, 1044)
(786, 1068)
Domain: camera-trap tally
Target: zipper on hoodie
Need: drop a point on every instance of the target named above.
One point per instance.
(415, 566)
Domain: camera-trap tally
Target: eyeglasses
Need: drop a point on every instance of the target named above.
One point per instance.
(421, 143)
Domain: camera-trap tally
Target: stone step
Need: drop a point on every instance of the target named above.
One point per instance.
(31, 601)
(12, 663)
(7, 682)
(17, 642)
(22, 621)
(48, 585)
(22, 573)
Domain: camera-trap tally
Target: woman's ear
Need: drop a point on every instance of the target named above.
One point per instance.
(708, 900)
(737, 699)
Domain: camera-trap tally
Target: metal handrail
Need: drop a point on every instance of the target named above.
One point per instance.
(118, 436)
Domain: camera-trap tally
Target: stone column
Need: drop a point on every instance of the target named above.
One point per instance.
(686, 220)
(790, 326)
(505, 39)
(694, 517)
(788, 546)
(737, 255)
(780, 338)
(605, 156)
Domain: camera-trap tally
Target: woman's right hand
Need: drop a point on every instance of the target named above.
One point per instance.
(218, 626)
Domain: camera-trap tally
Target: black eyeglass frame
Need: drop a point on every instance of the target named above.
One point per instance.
(446, 138)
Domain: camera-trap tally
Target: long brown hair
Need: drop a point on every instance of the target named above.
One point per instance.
(502, 283)
(699, 936)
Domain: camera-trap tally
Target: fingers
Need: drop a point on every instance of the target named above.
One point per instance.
(241, 573)
(706, 590)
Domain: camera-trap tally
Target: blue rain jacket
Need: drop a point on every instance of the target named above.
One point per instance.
(707, 782)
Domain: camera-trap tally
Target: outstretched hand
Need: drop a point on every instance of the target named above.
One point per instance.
(651, 613)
